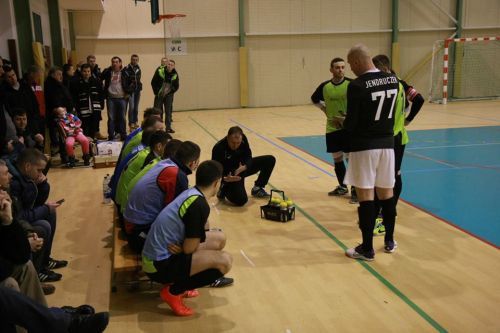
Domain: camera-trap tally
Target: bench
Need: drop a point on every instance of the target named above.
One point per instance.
(126, 264)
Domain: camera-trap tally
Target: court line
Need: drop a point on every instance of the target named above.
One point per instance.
(466, 116)
(418, 207)
(455, 146)
(365, 265)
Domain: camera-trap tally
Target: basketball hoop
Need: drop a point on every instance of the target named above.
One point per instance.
(173, 23)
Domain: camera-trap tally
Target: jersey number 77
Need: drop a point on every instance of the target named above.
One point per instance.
(381, 96)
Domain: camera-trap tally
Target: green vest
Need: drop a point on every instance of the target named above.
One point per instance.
(399, 115)
(335, 97)
(133, 167)
(134, 142)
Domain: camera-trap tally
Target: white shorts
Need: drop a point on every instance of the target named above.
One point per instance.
(371, 168)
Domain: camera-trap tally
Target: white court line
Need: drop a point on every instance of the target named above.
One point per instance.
(216, 209)
(433, 160)
(246, 257)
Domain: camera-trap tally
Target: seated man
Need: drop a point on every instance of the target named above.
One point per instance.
(162, 184)
(17, 309)
(25, 139)
(16, 270)
(234, 153)
(178, 251)
(29, 185)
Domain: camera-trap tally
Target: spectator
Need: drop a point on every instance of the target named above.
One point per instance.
(117, 88)
(71, 131)
(134, 72)
(88, 99)
(165, 83)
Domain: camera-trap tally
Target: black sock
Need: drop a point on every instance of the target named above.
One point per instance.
(398, 187)
(366, 213)
(389, 211)
(340, 172)
(196, 281)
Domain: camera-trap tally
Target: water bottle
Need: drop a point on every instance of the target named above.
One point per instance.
(106, 190)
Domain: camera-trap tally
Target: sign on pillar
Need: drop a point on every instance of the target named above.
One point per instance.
(177, 47)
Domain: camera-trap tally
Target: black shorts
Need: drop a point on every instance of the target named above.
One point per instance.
(399, 150)
(176, 268)
(336, 141)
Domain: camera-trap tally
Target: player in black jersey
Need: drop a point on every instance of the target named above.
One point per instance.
(371, 98)
(408, 95)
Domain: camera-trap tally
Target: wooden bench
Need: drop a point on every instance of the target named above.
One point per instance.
(126, 264)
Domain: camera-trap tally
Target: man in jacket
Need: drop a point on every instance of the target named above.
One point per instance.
(165, 83)
(88, 98)
(134, 72)
(117, 88)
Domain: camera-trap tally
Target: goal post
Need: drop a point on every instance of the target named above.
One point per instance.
(465, 69)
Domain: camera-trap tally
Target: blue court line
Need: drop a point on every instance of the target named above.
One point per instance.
(369, 268)
(284, 149)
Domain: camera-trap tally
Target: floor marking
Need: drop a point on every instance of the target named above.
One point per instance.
(246, 257)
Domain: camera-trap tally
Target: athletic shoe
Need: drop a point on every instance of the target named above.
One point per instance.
(79, 310)
(390, 246)
(259, 192)
(55, 264)
(339, 190)
(94, 323)
(46, 275)
(175, 302)
(358, 253)
(354, 196)
(379, 227)
(170, 130)
(48, 289)
(191, 293)
(222, 282)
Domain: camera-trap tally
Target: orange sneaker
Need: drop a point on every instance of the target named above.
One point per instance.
(175, 302)
(191, 293)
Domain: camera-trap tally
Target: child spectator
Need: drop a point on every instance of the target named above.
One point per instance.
(71, 130)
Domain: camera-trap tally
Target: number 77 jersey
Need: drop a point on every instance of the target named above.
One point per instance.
(371, 103)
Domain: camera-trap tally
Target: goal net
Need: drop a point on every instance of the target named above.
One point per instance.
(465, 69)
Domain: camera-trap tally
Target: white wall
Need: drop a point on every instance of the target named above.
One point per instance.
(290, 42)
(40, 7)
(7, 27)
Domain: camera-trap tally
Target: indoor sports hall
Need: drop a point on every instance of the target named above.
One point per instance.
(255, 64)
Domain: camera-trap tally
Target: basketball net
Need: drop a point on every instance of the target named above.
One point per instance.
(173, 23)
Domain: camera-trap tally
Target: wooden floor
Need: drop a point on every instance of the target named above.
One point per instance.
(293, 277)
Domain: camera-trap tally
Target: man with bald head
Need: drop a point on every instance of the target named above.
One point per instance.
(369, 122)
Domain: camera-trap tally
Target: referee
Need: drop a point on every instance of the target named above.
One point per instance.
(369, 122)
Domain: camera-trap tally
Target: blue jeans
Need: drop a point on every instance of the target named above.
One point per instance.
(117, 108)
(133, 107)
(17, 309)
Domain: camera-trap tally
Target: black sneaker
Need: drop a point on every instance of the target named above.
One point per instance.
(354, 196)
(390, 246)
(170, 130)
(48, 289)
(358, 253)
(222, 282)
(259, 192)
(46, 275)
(79, 310)
(339, 190)
(94, 323)
(55, 264)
